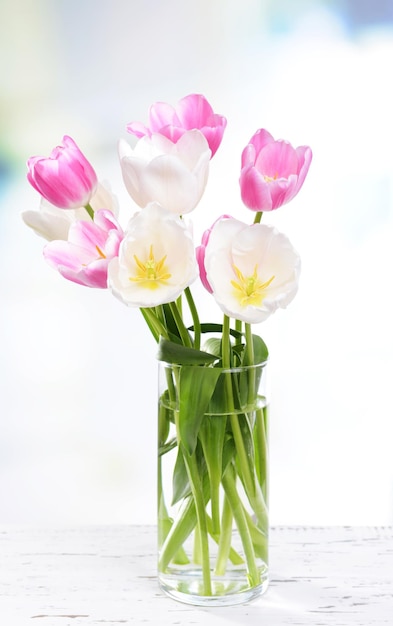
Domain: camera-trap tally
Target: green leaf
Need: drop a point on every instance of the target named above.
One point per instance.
(181, 528)
(213, 346)
(196, 387)
(180, 482)
(261, 353)
(217, 328)
(170, 322)
(167, 447)
(164, 526)
(238, 353)
(219, 403)
(229, 452)
(172, 352)
(163, 419)
(212, 435)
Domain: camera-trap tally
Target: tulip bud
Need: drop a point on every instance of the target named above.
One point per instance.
(273, 172)
(66, 179)
(192, 112)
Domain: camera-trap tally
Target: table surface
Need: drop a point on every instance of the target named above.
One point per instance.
(106, 575)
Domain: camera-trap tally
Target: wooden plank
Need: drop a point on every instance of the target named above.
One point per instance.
(106, 575)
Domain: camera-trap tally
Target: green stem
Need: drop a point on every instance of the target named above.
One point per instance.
(212, 434)
(249, 354)
(251, 484)
(197, 492)
(195, 318)
(185, 337)
(165, 522)
(224, 545)
(159, 311)
(258, 217)
(231, 405)
(229, 485)
(156, 327)
(262, 450)
(226, 345)
(249, 360)
(259, 538)
(250, 481)
(233, 556)
(181, 529)
(199, 502)
(89, 210)
(197, 556)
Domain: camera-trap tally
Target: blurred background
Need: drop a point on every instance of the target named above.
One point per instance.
(78, 377)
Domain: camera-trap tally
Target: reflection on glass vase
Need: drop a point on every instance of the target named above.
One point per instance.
(212, 483)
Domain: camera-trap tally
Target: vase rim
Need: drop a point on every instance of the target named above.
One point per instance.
(235, 368)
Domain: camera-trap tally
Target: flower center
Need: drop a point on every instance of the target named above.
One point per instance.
(270, 179)
(249, 290)
(151, 273)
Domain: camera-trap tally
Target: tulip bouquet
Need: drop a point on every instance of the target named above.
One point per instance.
(212, 414)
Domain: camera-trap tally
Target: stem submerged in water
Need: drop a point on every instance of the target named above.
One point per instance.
(220, 481)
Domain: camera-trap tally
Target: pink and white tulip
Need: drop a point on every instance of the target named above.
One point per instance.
(192, 112)
(272, 172)
(156, 260)
(66, 178)
(85, 257)
(52, 223)
(201, 251)
(251, 270)
(172, 174)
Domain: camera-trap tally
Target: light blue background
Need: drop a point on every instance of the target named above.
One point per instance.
(78, 381)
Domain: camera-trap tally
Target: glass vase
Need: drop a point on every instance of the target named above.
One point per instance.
(212, 483)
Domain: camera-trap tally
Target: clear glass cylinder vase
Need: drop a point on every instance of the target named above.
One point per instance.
(213, 483)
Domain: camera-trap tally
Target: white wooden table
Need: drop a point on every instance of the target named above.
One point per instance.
(106, 575)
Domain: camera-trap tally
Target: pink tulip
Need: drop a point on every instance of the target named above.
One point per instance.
(272, 172)
(192, 112)
(201, 250)
(66, 178)
(85, 257)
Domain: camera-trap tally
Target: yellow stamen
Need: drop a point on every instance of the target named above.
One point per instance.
(249, 290)
(269, 179)
(100, 253)
(151, 273)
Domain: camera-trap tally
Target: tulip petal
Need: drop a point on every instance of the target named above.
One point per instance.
(170, 184)
(282, 190)
(193, 112)
(304, 154)
(172, 174)
(85, 257)
(63, 253)
(255, 191)
(46, 225)
(191, 147)
(138, 129)
(161, 114)
(261, 139)
(277, 160)
(252, 270)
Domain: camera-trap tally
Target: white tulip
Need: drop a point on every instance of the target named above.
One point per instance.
(252, 270)
(53, 223)
(160, 170)
(156, 259)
